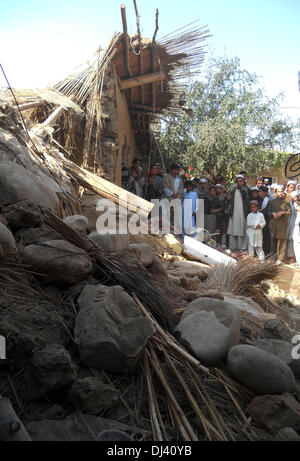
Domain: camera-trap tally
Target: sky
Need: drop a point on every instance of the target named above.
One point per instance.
(42, 41)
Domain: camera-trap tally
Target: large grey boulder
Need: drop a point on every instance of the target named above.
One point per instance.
(18, 183)
(110, 243)
(282, 350)
(34, 235)
(78, 222)
(7, 242)
(92, 396)
(209, 328)
(111, 332)
(60, 262)
(276, 412)
(22, 214)
(260, 371)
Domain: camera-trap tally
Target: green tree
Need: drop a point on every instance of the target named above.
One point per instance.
(229, 125)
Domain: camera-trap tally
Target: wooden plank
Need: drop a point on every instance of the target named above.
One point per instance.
(125, 39)
(142, 107)
(156, 26)
(50, 121)
(142, 80)
(126, 44)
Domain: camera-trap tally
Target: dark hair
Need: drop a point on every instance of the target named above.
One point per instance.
(211, 187)
(264, 189)
(174, 166)
(136, 159)
(259, 179)
(189, 183)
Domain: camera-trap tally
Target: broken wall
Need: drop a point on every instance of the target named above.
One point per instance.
(109, 140)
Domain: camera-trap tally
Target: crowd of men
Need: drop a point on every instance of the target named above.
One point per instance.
(262, 220)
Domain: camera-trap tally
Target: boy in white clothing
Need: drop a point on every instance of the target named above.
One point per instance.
(255, 224)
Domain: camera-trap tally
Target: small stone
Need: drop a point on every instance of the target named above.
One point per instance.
(138, 254)
(53, 367)
(78, 222)
(110, 243)
(158, 268)
(275, 412)
(276, 329)
(92, 396)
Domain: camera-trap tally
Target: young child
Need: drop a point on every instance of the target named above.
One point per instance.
(255, 224)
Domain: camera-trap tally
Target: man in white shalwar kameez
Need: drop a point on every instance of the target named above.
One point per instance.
(237, 221)
(255, 224)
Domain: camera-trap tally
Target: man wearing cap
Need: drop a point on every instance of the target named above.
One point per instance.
(203, 189)
(254, 195)
(237, 215)
(267, 184)
(279, 213)
(245, 175)
(273, 193)
(290, 187)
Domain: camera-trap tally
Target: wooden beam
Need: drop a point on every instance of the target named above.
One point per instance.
(137, 21)
(29, 105)
(106, 189)
(142, 80)
(140, 57)
(156, 26)
(50, 121)
(141, 106)
(125, 39)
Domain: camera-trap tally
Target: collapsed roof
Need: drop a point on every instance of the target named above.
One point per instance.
(100, 117)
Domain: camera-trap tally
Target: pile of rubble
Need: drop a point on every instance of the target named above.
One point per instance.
(83, 352)
(126, 332)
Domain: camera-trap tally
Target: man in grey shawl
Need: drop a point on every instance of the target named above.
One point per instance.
(239, 209)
